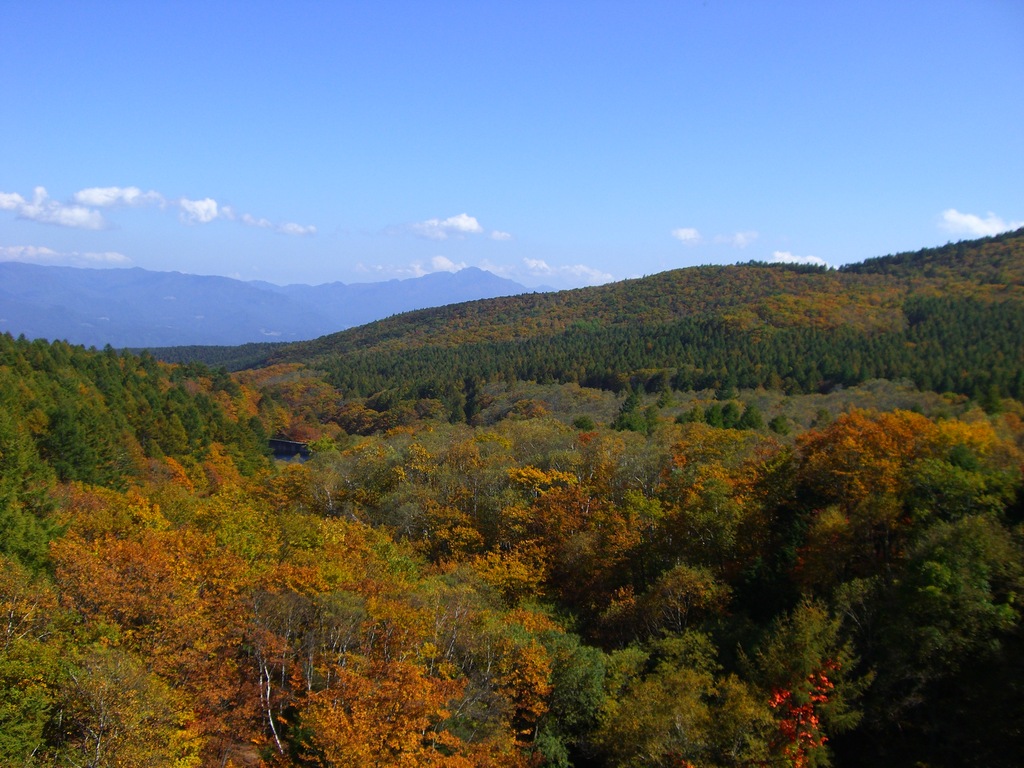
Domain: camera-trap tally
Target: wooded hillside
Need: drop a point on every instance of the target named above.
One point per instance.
(950, 319)
(726, 554)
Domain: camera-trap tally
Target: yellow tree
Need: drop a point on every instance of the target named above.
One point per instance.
(854, 475)
(384, 714)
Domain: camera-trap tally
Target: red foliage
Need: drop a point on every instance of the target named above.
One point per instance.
(800, 724)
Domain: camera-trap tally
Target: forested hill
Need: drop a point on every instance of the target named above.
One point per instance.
(530, 575)
(949, 318)
(997, 260)
(109, 418)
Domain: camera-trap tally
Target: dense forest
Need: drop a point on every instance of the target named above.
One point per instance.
(727, 516)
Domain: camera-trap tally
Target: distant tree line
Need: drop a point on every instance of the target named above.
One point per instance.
(960, 345)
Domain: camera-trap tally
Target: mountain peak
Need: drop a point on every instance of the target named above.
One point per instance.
(132, 308)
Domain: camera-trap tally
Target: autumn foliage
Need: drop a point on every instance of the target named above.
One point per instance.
(477, 572)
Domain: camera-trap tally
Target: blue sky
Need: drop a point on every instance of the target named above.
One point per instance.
(556, 143)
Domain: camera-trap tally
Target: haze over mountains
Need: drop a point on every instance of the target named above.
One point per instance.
(139, 308)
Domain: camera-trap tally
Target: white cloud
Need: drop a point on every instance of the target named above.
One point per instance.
(538, 267)
(286, 228)
(28, 253)
(442, 229)
(252, 221)
(107, 257)
(46, 211)
(688, 235)
(37, 254)
(737, 239)
(589, 275)
(574, 272)
(83, 214)
(414, 269)
(499, 235)
(198, 211)
(106, 197)
(206, 210)
(462, 223)
(970, 224)
(785, 257)
(11, 201)
(692, 236)
(444, 264)
(289, 228)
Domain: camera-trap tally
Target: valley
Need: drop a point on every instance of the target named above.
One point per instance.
(749, 515)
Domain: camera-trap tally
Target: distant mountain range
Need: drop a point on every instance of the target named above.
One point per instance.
(139, 308)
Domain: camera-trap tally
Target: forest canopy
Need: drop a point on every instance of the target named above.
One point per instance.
(731, 516)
